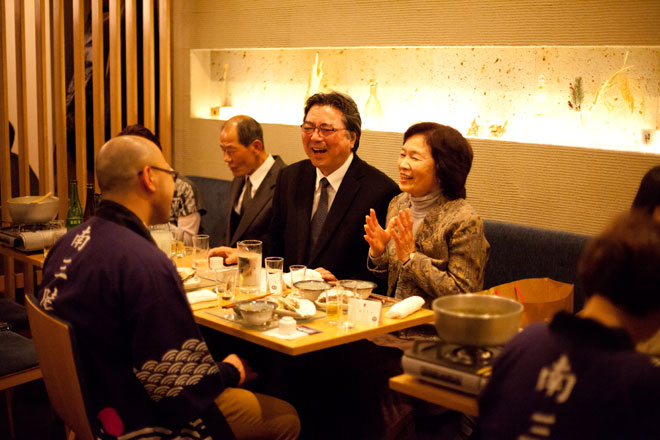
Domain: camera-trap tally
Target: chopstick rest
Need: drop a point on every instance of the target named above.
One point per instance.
(405, 307)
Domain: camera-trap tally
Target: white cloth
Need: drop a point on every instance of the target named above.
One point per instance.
(201, 296)
(405, 307)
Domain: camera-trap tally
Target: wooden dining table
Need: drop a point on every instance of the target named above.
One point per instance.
(330, 335)
(32, 263)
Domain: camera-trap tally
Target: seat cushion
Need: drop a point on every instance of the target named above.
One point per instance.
(14, 314)
(16, 353)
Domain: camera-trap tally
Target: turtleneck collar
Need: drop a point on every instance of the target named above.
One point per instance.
(420, 206)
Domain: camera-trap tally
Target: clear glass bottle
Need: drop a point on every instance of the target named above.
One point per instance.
(373, 113)
(90, 207)
(74, 214)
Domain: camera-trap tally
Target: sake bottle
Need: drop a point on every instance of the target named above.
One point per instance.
(89, 203)
(74, 214)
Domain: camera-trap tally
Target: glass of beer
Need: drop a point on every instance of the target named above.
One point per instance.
(333, 305)
(249, 266)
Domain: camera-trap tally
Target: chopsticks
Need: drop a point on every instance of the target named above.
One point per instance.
(234, 304)
(42, 198)
(383, 298)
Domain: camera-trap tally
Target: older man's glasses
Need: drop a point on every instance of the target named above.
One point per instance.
(171, 172)
(324, 129)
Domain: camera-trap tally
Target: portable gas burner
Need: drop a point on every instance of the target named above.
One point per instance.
(24, 237)
(463, 368)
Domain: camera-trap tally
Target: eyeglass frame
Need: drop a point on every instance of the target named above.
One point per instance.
(323, 131)
(172, 172)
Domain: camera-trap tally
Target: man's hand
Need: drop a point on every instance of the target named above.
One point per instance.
(236, 362)
(230, 255)
(327, 275)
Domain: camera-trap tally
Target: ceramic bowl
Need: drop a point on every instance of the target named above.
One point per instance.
(257, 312)
(311, 289)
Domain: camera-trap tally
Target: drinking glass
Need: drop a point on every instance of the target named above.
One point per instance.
(162, 236)
(348, 289)
(274, 266)
(200, 251)
(225, 282)
(297, 272)
(177, 251)
(249, 266)
(55, 229)
(333, 305)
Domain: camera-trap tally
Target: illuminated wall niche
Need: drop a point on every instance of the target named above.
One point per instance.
(517, 94)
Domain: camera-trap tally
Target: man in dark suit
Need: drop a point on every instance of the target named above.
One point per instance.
(320, 203)
(255, 173)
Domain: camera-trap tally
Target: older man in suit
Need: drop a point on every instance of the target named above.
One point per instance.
(320, 203)
(255, 173)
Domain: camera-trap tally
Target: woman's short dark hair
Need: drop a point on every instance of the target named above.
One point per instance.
(451, 152)
(648, 194)
(622, 264)
(345, 104)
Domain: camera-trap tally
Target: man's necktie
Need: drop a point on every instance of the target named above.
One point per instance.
(247, 195)
(320, 215)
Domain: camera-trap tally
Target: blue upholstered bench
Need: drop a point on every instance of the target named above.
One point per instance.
(216, 195)
(519, 252)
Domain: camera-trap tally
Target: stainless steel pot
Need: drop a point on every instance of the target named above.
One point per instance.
(22, 210)
(476, 320)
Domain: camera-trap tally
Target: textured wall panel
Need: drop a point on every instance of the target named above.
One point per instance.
(560, 188)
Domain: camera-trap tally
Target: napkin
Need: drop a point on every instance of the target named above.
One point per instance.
(310, 274)
(201, 296)
(405, 307)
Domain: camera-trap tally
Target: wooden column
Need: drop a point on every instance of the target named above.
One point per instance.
(165, 78)
(131, 64)
(5, 166)
(79, 92)
(21, 99)
(148, 78)
(98, 76)
(59, 104)
(114, 63)
(43, 109)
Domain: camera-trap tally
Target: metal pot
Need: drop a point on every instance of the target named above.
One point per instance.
(22, 210)
(476, 320)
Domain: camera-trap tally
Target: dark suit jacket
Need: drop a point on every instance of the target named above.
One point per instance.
(255, 221)
(341, 248)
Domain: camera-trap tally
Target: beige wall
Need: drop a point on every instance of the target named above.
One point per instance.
(564, 188)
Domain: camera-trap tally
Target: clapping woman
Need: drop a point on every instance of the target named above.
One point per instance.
(433, 243)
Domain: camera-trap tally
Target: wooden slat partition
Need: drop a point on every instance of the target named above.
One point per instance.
(114, 62)
(59, 104)
(79, 92)
(5, 165)
(21, 98)
(57, 24)
(42, 96)
(131, 64)
(165, 79)
(98, 75)
(148, 79)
